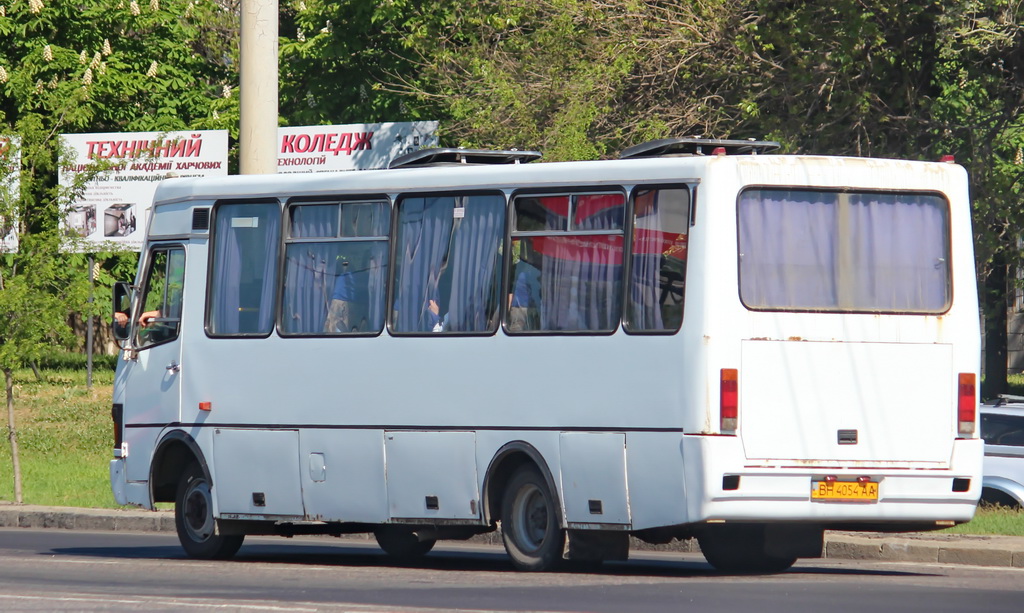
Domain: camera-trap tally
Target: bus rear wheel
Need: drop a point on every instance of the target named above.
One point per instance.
(193, 519)
(401, 542)
(741, 549)
(529, 522)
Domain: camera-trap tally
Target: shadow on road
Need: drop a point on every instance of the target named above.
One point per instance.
(349, 555)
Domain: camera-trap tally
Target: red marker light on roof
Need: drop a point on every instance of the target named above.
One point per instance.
(949, 159)
(718, 151)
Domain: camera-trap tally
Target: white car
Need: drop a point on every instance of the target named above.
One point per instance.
(1002, 427)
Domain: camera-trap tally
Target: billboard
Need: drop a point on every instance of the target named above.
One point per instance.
(113, 209)
(10, 184)
(359, 146)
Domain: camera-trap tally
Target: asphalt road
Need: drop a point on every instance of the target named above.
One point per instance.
(65, 570)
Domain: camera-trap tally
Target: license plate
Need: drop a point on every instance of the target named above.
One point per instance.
(844, 490)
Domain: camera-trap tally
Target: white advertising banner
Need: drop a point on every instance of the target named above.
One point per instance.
(360, 146)
(10, 186)
(114, 208)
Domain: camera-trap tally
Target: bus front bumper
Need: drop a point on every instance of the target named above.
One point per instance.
(126, 492)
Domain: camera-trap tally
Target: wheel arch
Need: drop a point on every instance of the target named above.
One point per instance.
(175, 451)
(1002, 491)
(503, 465)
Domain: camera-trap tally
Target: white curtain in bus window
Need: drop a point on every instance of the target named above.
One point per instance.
(567, 263)
(335, 267)
(839, 251)
(448, 263)
(661, 220)
(242, 287)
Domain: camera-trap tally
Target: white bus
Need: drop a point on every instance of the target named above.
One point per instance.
(697, 340)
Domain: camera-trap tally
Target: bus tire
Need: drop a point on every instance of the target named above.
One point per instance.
(529, 522)
(741, 549)
(193, 519)
(401, 542)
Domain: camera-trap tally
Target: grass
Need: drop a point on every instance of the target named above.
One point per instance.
(993, 520)
(65, 437)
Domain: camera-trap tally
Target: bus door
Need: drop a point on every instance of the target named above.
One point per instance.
(153, 384)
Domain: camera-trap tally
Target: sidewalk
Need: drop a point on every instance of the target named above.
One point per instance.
(933, 547)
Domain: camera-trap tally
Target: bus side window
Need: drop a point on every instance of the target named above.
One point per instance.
(448, 256)
(336, 261)
(243, 276)
(566, 273)
(160, 306)
(658, 272)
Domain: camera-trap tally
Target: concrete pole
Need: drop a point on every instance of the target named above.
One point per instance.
(88, 329)
(258, 88)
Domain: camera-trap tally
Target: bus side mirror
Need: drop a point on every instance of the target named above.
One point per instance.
(122, 311)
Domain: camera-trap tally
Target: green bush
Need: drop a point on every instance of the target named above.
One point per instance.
(67, 360)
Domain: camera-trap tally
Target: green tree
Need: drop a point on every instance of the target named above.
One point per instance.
(38, 288)
(578, 79)
(94, 66)
(112, 65)
(334, 58)
(119, 64)
(916, 79)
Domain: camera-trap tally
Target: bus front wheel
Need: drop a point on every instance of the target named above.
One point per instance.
(529, 522)
(193, 519)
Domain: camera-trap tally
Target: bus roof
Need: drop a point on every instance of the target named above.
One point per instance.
(796, 170)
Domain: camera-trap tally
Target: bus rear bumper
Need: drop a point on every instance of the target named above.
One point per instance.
(723, 485)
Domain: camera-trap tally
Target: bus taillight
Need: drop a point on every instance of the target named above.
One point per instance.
(729, 400)
(967, 406)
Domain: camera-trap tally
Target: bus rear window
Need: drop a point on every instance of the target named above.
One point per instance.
(811, 250)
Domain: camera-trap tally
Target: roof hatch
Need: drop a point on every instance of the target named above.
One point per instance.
(698, 146)
(456, 156)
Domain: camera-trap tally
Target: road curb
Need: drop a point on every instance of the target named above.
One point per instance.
(29, 516)
(941, 548)
(974, 550)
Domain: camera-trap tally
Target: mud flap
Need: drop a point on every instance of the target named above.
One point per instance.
(597, 545)
(783, 541)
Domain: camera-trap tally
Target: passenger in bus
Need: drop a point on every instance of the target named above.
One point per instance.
(340, 306)
(427, 318)
(525, 296)
(432, 318)
(121, 319)
(149, 331)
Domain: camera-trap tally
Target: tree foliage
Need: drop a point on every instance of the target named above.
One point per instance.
(336, 57)
(577, 79)
(915, 79)
(92, 66)
(108, 65)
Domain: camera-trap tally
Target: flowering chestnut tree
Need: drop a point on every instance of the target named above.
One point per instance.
(90, 66)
